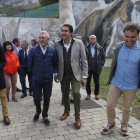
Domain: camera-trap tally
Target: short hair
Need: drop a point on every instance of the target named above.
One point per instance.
(34, 40)
(92, 36)
(132, 27)
(15, 40)
(25, 42)
(7, 43)
(45, 32)
(69, 26)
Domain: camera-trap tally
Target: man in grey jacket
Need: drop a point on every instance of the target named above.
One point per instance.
(72, 69)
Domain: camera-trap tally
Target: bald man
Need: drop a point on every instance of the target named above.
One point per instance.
(96, 60)
(42, 64)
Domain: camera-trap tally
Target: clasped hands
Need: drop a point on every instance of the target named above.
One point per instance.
(84, 82)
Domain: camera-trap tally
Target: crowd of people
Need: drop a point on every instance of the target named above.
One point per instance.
(72, 64)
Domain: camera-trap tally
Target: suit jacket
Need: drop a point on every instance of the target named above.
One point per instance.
(42, 65)
(2, 63)
(78, 59)
(23, 63)
(16, 49)
(100, 56)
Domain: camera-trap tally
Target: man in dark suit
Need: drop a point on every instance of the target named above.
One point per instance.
(72, 69)
(3, 96)
(23, 71)
(42, 63)
(96, 60)
(17, 46)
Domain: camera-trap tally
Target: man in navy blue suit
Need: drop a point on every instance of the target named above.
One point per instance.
(23, 71)
(42, 63)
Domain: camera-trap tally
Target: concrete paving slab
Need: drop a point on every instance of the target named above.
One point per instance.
(22, 126)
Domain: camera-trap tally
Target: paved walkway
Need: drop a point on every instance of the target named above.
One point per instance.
(23, 128)
(93, 120)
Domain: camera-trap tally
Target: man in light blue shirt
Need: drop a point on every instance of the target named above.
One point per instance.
(127, 69)
(124, 78)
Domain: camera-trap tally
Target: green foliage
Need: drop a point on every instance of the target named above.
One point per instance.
(47, 2)
(104, 91)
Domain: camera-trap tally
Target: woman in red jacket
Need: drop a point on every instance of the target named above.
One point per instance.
(10, 69)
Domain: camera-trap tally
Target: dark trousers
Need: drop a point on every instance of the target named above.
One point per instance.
(42, 88)
(23, 72)
(96, 83)
(65, 88)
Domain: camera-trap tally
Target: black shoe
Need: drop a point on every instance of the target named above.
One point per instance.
(71, 101)
(36, 117)
(31, 94)
(46, 121)
(24, 95)
(18, 90)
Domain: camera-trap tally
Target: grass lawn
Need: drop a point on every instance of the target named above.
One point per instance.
(104, 91)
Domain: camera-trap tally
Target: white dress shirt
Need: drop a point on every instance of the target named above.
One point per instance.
(43, 49)
(67, 46)
(92, 48)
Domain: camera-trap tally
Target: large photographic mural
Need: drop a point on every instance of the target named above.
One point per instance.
(104, 18)
(29, 8)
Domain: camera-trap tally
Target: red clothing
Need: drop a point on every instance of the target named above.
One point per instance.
(12, 62)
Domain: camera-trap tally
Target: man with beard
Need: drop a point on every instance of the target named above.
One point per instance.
(124, 78)
(72, 69)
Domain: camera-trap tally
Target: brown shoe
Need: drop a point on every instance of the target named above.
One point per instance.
(88, 97)
(97, 97)
(6, 120)
(14, 99)
(77, 124)
(64, 116)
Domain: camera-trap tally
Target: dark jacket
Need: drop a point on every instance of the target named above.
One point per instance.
(2, 63)
(42, 65)
(113, 64)
(100, 56)
(22, 61)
